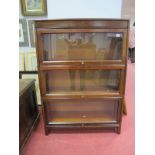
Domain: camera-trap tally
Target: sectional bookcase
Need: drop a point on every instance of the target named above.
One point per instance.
(82, 72)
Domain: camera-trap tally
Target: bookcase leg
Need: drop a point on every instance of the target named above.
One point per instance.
(118, 130)
(46, 131)
(124, 108)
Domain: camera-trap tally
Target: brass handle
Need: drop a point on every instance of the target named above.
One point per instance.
(82, 63)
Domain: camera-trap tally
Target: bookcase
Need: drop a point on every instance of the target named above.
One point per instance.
(82, 67)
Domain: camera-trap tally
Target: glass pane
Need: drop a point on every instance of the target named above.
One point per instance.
(82, 46)
(82, 111)
(63, 81)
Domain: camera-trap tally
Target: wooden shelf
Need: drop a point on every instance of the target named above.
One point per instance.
(80, 120)
(82, 93)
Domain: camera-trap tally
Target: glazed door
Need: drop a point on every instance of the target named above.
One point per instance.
(71, 111)
(59, 46)
(82, 82)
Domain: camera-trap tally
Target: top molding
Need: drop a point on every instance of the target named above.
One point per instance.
(98, 23)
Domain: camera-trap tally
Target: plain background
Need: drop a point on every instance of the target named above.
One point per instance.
(57, 9)
(145, 77)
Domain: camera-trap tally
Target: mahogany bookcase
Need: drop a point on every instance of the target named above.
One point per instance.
(82, 65)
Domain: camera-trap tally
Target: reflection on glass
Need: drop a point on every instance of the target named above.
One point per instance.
(82, 80)
(85, 46)
(85, 110)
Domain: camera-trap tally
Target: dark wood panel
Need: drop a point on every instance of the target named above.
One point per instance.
(96, 127)
(83, 23)
(28, 111)
(86, 126)
(83, 66)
